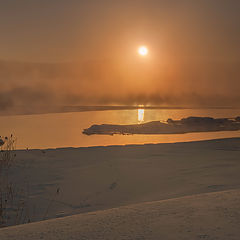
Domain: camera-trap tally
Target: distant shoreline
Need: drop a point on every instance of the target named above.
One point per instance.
(32, 110)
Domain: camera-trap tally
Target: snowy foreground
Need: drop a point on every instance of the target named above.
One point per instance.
(204, 216)
(155, 191)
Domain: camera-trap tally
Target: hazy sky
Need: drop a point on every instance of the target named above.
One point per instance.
(87, 50)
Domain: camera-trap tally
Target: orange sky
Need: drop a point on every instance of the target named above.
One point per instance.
(85, 52)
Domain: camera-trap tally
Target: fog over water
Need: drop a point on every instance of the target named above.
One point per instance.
(98, 83)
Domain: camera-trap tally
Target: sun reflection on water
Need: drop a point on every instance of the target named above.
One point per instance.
(140, 115)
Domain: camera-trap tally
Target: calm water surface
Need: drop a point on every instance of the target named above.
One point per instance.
(65, 129)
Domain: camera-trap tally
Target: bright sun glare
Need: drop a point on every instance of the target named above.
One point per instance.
(140, 115)
(143, 51)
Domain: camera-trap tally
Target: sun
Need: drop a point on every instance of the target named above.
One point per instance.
(143, 51)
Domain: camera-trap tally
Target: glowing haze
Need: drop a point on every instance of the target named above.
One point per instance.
(84, 53)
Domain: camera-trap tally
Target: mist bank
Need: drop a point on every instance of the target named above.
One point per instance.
(185, 125)
(48, 87)
(43, 109)
(30, 110)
